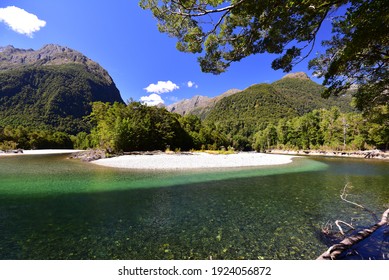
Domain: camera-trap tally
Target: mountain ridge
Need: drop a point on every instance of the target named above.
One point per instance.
(198, 105)
(49, 54)
(51, 88)
(295, 84)
(240, 115)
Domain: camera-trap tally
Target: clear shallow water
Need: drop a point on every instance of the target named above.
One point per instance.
(55, 208)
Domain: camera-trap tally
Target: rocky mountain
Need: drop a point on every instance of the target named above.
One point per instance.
(198, 105)
(51, 54)
(52, 87)
(297, 75)
(186, 106)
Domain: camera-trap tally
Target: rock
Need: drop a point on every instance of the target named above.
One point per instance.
(89, 155)
(297, 75)
(198, 105)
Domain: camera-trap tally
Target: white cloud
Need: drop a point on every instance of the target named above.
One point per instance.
(192, 84)
(152, 99)
(162, 87)
(21, 21)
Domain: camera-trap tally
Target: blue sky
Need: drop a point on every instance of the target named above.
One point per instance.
(124, 39)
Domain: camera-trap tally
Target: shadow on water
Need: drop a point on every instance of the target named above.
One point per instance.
(235, 214)
(375, 247)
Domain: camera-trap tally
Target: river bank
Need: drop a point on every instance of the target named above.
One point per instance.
(370, 154)
(39, 152)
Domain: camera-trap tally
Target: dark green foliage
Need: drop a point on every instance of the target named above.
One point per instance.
(52, 97)
(203, 135)
(306, 96)
(134, 127)
(83, 141)
(194, 128)
(28, 138)
(243, 108)
(356, 56)
(137, 127)
(322, 129)
(241, 115)
(226, 31)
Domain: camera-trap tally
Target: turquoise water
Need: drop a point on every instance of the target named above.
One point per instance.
(56, 208)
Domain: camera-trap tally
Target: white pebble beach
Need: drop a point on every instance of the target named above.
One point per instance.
(194, 161)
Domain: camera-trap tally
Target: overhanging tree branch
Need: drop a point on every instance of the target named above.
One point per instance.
(203, 12)
(357, 49)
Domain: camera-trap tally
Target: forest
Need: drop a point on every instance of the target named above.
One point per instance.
(134, 126)
(325, 130)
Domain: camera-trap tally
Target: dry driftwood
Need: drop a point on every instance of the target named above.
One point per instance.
(343, 196)
(338, 222)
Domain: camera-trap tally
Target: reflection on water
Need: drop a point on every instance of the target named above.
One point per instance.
(55, 208)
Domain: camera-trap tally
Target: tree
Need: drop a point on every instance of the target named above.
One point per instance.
(226, 31)
(136, 127)
(332, 129)
(192, 125)
(282, 133)
(265, 139)
(83, 141)
(357, 56)
(308, 127)
(105, 116)
(379, 136)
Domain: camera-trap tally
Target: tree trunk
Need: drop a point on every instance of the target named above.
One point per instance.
(334, 251)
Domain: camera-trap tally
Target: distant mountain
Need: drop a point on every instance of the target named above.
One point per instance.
(295, 90)
(247, 111)
(186, 106)
(52, 87)
(198, 105)
(305, 94)
(51, 54)
(297, 75)
(240, 115)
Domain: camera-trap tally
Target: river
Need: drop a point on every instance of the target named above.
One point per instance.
(52, 207)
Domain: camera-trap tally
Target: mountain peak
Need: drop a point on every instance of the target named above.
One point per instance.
(198, 105)
(54, 49)
(11, 57)
(185, 106)
(51, 87)
(297, 75)
(7, 48)
(50, 54)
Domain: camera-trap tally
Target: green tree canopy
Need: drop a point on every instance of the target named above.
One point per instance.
(136, 127)
(357, 56)
(224, 31)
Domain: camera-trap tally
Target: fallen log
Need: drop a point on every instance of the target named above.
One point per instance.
(336, 250)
